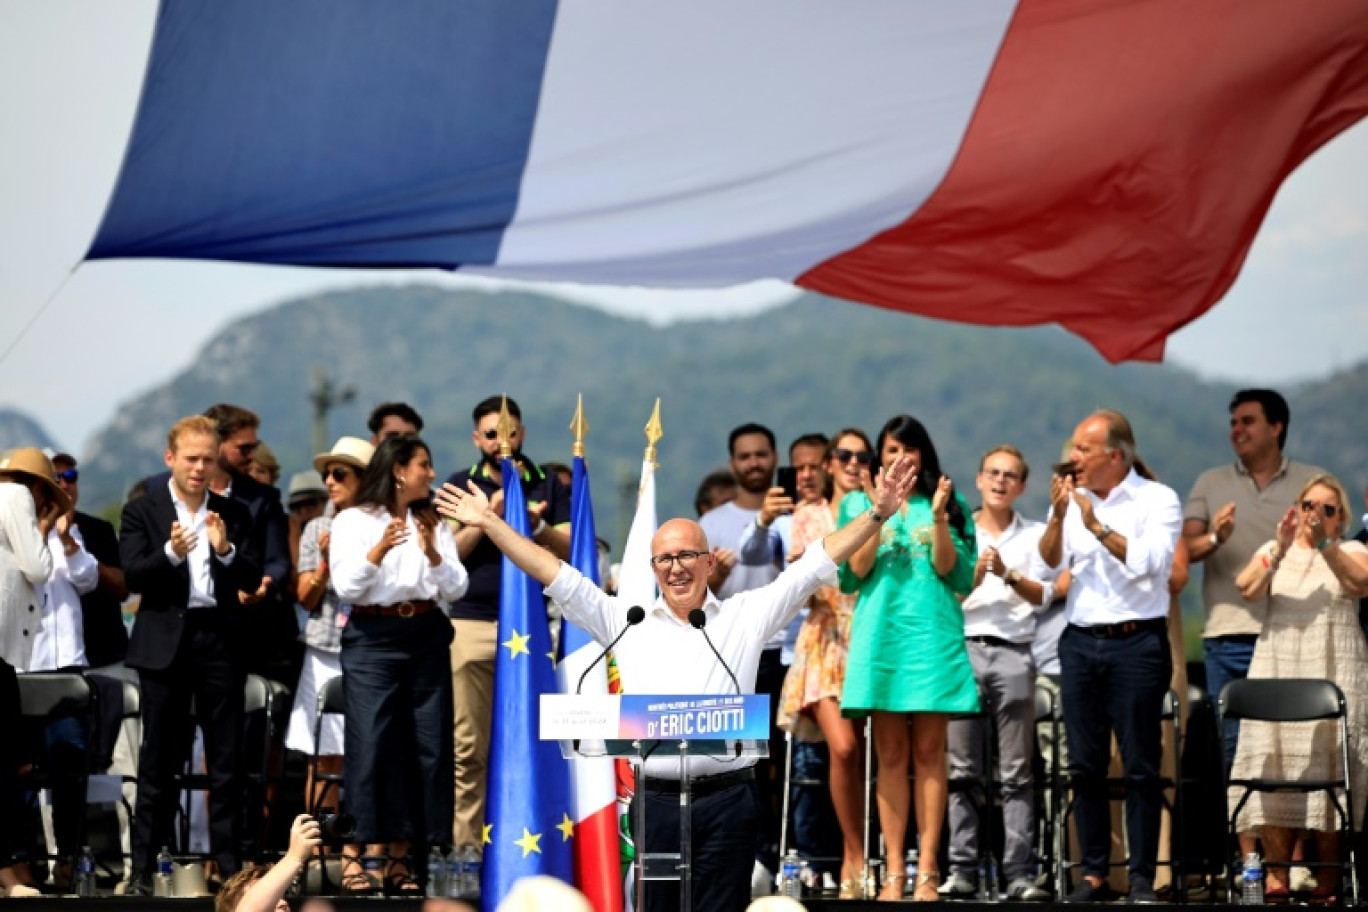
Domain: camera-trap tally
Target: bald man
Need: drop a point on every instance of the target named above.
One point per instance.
(665, 655)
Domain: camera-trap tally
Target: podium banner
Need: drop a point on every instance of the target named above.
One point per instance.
(654, 716)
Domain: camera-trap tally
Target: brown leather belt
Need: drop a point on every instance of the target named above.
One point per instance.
(397, 610)
(1124, 628)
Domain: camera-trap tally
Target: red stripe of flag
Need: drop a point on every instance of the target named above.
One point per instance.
(598, 872)
(1118, 166)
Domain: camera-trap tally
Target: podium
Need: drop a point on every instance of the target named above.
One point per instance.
(653, 727)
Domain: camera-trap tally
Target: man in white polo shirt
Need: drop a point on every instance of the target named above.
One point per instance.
(1116, 532)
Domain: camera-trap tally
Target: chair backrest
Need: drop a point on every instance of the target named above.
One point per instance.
(1282, 700)
(48, 693)
(1044, 705)
(331, 697)
(257, 694)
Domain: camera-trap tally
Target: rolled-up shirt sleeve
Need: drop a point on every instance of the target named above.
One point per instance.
(1150, 551)
(83, 571)
(450, 575)
(352, 537)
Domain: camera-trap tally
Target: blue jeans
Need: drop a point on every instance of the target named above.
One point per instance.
(1227, 659)
(816, 831)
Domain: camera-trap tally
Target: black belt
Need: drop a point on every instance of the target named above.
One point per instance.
(991, 641)
(703, 785)
(1123, 628)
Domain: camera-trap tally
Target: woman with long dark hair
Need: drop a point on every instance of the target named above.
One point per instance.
(812, 688)
(907, 656)
(392, 560)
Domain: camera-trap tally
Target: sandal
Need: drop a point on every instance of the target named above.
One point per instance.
(356, 881)
(930, 880)
(1325, 894)
(399, 879)
(893, 887)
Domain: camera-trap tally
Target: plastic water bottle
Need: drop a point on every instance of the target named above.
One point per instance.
(790, 882)
(470, 869)
(161, 886)
(993, 894)
(985, 892)
(1252, 882)
(83, 883)
(437, 874)
(911, 863)
(455, 874)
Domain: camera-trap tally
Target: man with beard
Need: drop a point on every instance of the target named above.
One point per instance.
(476, 616)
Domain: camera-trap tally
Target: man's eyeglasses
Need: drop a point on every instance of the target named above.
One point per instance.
(999, 473)
(70, 476)
(1309, 506)
(863, 457)
(685, 559)
(337, 474)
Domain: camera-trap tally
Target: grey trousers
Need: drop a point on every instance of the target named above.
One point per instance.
(1006, 678)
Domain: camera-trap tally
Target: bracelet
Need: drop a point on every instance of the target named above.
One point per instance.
(1324, 543)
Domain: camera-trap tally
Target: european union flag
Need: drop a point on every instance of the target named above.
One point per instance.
(529, 818)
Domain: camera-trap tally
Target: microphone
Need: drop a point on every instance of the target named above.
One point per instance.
(697, 618)
(635, 615)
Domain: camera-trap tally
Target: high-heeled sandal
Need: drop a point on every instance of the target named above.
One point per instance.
(931, 881)
(894, 886)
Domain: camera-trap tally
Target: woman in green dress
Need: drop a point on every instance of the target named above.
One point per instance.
(907, 661)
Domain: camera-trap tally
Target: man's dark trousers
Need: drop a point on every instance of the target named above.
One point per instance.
(1116, 683)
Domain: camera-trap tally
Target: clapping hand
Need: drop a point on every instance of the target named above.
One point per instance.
(1287, 529)
(1223, 523)
(427, 539)
(183, 540)
(469, 508)
(941, 498)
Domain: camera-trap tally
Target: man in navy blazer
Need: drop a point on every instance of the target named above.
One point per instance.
(188, 552)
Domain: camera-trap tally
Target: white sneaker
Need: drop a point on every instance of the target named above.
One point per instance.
(762, 881)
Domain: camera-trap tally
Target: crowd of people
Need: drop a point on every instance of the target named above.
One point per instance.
(869, 594)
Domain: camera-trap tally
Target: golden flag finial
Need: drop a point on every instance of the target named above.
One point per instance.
(505, 429)
(654, 431)
(579, 427)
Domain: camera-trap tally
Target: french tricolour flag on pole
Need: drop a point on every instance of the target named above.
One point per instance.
(1103, 164)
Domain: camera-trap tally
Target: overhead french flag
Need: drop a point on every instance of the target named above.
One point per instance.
(595, 792)
(529, 819)
(1102, 164)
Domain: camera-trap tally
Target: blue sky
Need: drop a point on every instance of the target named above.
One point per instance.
(69, 78)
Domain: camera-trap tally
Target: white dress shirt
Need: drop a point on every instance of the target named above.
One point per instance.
(405, 575)
(665, 655)
(195, 522)
(24, 563)
(996, 609)
(1105, 590)
(60, 642)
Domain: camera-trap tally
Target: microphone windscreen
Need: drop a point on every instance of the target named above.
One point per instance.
(635, 615)
(698, 618)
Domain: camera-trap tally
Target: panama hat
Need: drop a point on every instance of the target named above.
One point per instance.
(30, 463)
(352, 451)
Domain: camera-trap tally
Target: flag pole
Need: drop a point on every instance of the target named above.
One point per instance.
(579, 427)
(505, 429)
(654, 431)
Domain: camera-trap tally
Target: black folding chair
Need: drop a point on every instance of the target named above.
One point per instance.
(1294, 700)
(331, 701)
(1047, 775)
(47, 696)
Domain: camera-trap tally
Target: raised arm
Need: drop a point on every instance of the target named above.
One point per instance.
(471, 508)
(891, 488)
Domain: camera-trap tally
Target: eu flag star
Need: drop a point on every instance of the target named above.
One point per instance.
(529, 843)
(566, 827)
(517, 644)
(487, 838)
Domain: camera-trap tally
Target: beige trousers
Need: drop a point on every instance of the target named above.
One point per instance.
(472, 691)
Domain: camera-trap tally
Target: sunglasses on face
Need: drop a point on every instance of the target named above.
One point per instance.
(863, 457)
(1309, 506)
(337, 474)
(70, 476)
(247, 449)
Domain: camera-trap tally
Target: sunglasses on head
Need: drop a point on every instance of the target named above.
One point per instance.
(70, 476)
(1310, 505)
(337, 474)
(863, 457)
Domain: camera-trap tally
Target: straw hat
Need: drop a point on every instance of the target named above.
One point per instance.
(306, 485)
(352, 451)
(539, 891)
(28, 463)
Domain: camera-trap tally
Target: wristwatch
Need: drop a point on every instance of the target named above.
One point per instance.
(874, 515)
(1103, 532)
(1215, 540)
(1011, 579)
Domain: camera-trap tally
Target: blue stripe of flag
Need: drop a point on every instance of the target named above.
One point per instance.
(583, 549)
(331, 132)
